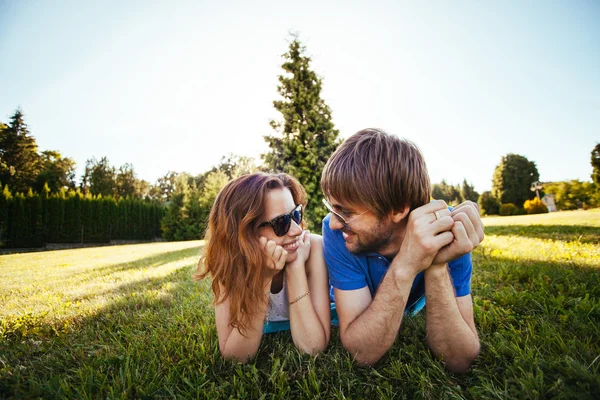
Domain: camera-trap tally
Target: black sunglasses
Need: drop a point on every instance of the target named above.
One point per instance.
(281, 224)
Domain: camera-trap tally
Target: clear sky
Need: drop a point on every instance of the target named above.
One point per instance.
(176, 85)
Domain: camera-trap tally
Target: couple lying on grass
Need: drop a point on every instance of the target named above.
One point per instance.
(385, 248)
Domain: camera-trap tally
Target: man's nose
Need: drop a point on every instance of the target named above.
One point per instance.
(335, 223)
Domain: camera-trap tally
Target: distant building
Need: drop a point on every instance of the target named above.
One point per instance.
(548, 200)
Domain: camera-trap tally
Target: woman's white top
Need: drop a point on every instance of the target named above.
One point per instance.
(279, 309)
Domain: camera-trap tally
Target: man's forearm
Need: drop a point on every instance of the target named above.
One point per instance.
(448, 334)
(372, 334)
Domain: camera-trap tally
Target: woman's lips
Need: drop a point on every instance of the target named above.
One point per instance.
(292, 246)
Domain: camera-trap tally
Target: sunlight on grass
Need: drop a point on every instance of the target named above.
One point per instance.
(569, 237)
(129, 322)
(576, 217)
(69, 283)
(531, 249)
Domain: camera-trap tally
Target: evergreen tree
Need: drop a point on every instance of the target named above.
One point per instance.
(19, 158)
(213, 184)
(306, 137)
(5, 199)
(468, 192)
(194, 223)
(513, 178)
(449, 193)
(172, 222)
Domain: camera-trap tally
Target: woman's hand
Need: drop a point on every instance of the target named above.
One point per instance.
(303, 249)
(277, 254)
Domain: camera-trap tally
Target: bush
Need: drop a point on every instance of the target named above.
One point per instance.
(488, 204)
(535, 206)
(508, 209)
(520, 211)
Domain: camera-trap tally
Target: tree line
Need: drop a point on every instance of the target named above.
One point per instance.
(511, 192)
(302, 141)
(33, 220)
(41, 201)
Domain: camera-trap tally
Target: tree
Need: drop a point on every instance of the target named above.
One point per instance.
(99, 177)
(164, 187)
(571, 195)
(19, 158)
(595, 160)
(126, 182)
(488, 204)
(213, 184)
(512, 179)
(449, 193)
(235, 165)
(56, 171)
(468, 192)
(306, 136)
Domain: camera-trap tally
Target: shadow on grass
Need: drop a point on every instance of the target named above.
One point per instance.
(582, 234)
(149, 262)
(165, 345)
(112, 352)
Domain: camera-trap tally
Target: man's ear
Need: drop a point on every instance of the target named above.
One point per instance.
(399, 215)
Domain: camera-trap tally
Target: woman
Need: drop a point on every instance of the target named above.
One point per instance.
(268, 274)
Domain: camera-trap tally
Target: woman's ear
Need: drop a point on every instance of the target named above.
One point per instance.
(399, 215)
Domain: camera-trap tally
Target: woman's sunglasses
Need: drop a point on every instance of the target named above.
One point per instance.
(281, 224)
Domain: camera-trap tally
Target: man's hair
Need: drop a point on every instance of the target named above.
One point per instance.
(378, 170)
(233, 255)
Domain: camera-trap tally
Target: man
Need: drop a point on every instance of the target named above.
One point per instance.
(388, 247)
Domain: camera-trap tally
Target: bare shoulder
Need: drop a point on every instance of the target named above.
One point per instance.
(316, 241)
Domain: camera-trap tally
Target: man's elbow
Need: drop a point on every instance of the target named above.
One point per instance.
(362, 358)
(460, 364)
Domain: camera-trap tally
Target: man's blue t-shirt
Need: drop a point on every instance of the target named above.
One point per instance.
(349, 271)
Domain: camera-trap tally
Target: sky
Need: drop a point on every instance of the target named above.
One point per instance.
(176, 85)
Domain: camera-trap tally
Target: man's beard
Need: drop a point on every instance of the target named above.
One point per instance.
(372, 240)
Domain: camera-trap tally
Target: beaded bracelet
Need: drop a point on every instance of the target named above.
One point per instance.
(299, 297)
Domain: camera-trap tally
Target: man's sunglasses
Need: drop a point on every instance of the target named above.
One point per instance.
(343, 220)
(281, 224)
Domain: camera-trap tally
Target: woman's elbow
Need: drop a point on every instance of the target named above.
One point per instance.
(241, 357)
(312, 347)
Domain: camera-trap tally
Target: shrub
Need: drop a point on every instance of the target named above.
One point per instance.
(520, 211)
(535, 206)
(488, 204)
(508, 209)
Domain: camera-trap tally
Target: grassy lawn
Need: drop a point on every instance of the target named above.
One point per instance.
(128, 322)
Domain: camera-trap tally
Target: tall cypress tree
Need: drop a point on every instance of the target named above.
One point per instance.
(306, 136)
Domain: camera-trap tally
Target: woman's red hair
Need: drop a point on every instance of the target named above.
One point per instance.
(232, 254)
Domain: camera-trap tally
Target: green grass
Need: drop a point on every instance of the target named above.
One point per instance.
(128, 322)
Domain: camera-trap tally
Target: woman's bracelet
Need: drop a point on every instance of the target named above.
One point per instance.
(299, 297)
